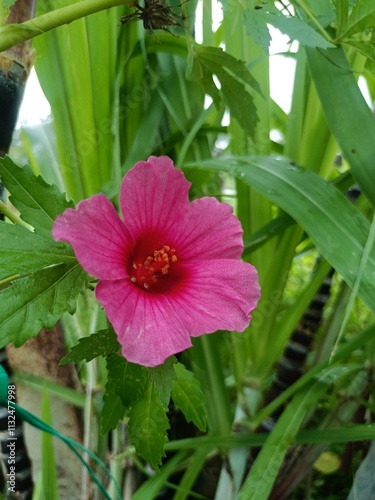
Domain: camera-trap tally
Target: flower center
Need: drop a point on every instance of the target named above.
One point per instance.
(154, 268)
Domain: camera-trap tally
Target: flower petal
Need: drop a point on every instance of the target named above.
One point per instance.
(218, 296)
(98, 236)
(153, 195)
(209, 230)
(152, 327)
(148, 326)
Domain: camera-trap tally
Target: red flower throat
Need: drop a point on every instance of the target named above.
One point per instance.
(146, 275)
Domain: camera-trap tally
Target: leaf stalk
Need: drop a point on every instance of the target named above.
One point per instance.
(16, 219)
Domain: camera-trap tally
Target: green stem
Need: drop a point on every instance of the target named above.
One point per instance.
(12, 34)
(6, 281)
(116, 466)
(89, 436)
(311, 16)
(13, 217)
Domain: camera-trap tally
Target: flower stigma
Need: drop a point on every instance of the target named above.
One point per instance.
(155, 267)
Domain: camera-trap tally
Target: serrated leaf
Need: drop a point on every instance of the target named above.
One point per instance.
(256, 21)
(163, 376)
(23, 252)
(257, 28)
(296, 29)
(113, 410)
(129, 380)
(197, 72)
(188, 396)
(38, 202)
(235, 80)
(233, 66)
(38, 301)
(361, 18)
(102, 343)
(148, 426)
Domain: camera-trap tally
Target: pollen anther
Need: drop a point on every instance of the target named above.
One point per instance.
(154, 267)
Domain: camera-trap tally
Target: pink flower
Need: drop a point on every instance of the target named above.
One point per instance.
(170, 270)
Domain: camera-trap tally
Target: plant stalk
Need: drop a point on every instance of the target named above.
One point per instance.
(12, 34)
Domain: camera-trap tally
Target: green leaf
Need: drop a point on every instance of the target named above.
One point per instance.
(163, 377)
(364, 481)
(347, 113)
(102, 343)
(156, 482)
(366, 48)
(361, 18)
(188, 396)
(343, 352)
(256, 27)
(38, 301)
(275, 227)
(342, 10)
(340, 434)
(82, 103)
(256, 21)
(113, 410)
(235, 79)
(280, 223)
(41, 149)
(23, 252)
(39, 383)
(38, 202)
(265, 468)
(129, 381)
(298, 30)
(324, 13)
(148, 426)
(49, 276)
(337, 228)
(5, 10)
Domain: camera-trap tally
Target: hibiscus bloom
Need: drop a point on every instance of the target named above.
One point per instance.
(170, 269)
